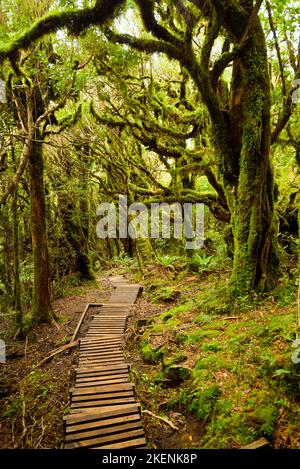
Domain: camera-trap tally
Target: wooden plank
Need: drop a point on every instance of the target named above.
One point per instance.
(108, 324)
(88, 379)
(102, 361)
(104, 402)
(101, 344)
(136, 443)
(96, 423)
(84, 348)
(115, 339)
(76, 398)
(114, 322)
(105, 439)
(117, 348)
(101, 347)
(96, 351)
(99, 380)
(101, 340)
(113, 411)
(87, 384)
(99, 353)
(95, 362)
(92, 410)
(102, 389)
(104, 330)
(124, 366)
(107, 329)
(108, 337)
(95, 335)
(103, 335)
(114, 430)
(109, 317)
(97, 371)
(115, 305)
(105, 357)
(102, 376)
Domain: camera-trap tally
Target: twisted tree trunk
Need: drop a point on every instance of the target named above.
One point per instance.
(41, 308)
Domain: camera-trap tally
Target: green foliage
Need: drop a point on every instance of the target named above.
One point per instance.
(199, 263)
(203, 402)
(163, 294)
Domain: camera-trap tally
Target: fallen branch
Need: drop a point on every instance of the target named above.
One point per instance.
(58, 351)
(163, 419)
(231, 318)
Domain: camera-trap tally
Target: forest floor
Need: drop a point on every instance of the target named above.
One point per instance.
(223, 380)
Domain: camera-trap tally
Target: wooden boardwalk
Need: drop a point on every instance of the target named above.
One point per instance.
(104, 413)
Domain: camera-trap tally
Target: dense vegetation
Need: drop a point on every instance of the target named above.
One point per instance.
(184, 101)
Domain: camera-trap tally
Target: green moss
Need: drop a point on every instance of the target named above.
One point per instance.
(200, 335)
(177, 311)
(203, 402)
(149, 355)
(211, 346)
(163, 294)
(266, 418)
(210, 362)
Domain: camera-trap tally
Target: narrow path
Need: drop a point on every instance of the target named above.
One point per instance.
(104, 413)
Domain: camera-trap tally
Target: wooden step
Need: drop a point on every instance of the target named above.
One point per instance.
(117, 410)
(103, 402)
(102, 440)
(103, 389)
(98, 382)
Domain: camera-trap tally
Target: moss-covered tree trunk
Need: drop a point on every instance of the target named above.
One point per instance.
(16, 254)
(250, 185)
(41, 308)
(83, 260)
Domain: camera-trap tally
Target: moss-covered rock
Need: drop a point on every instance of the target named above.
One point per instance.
(177, 373)
(150, 355)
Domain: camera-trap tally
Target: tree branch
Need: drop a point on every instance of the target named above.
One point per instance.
(75, 21)
(27, 150)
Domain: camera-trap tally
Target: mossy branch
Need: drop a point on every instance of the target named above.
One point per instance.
(75, 21)
(150, 46)
(190, 196)
(147, 13)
